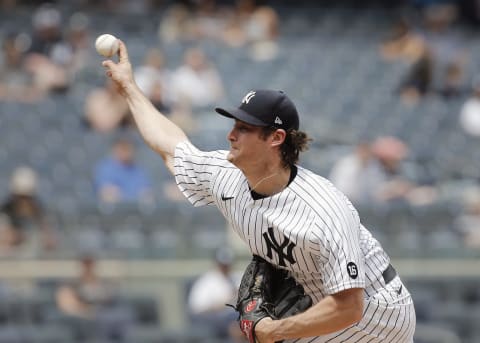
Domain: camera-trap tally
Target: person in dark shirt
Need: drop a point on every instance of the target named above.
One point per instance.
(25, 211)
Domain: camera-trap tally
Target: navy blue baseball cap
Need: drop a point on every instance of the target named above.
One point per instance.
(264, 108)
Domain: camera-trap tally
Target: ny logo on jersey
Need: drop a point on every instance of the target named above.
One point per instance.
(246, 99)
(272, 245)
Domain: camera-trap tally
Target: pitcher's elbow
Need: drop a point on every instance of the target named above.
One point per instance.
(357, 315)
(357, 311)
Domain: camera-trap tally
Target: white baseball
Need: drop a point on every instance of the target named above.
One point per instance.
(106, 45)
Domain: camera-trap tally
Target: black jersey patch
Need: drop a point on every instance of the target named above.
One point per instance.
(352, 270)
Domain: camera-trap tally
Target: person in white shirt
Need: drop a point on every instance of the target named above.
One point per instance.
(209, 294)
(197, 81)
(470, 112)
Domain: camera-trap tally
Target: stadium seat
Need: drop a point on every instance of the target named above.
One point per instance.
(431, 333)
(146, 309)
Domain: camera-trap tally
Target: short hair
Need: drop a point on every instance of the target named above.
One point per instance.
(296, 141)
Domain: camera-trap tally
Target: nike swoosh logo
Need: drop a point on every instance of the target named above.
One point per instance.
(400, 289)
(224, 198)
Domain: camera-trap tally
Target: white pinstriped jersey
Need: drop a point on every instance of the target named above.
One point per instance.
(309, 228)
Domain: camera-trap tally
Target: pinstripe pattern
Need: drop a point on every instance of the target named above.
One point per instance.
(312, 230)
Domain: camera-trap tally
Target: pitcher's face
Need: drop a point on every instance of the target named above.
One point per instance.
(247, 146)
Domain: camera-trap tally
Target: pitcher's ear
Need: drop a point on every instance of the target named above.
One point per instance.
(278, 137)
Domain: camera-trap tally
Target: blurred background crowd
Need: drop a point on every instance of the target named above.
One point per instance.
(389, 91)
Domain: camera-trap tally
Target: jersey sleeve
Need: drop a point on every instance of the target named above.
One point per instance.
(195, 170)
(344, 264)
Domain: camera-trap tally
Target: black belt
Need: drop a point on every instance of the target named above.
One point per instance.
(389, 274)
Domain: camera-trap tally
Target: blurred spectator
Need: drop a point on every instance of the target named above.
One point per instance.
(262, 33)
(118, 178)
(89, 298)
(78, 37)
(468, 223)
(177, 25)
(16, 82)
(209, 295)
(453, 85)
(244, 24)
(233, 33)
(403, 44)
(30, 229)
(106, 110)
(396, 185)
(407, 46)
(449, 55)
(470, 112)
(209, 20)
(9, 237)
(374, 174)
(436, 54)
(418, 81)
(361, 165)
(153, 79)
(83, 295)
(256, 27)
(197, 82)
(391, 152)
(49, 56)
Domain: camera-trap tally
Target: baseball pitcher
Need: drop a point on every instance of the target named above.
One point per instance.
(317, 274)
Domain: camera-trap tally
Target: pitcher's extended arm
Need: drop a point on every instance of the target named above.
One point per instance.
(158, 131)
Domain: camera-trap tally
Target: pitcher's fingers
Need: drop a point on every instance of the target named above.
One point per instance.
(108, 64)
(122, 52)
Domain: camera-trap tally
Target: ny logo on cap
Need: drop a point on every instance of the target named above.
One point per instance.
(278, 121)
(246, 98)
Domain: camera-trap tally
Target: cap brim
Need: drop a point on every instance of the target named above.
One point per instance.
(241, 115)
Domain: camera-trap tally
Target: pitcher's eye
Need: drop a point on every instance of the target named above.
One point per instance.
(242, 128)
